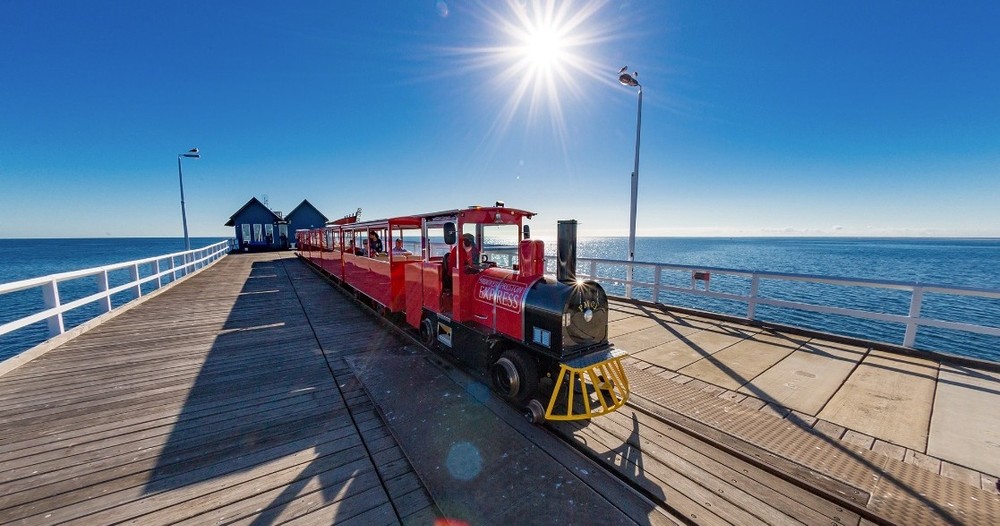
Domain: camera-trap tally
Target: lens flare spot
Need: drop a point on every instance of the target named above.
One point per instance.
(442, 8)
(478, 391)
(464, 461)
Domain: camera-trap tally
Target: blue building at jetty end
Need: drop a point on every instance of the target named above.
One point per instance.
(258, 228)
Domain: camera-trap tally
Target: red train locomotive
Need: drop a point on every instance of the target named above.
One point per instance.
(472, 282)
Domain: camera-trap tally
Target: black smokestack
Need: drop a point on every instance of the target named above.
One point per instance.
(566, 264)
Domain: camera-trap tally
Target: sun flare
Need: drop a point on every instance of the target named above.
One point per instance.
(538, 54)
(543, 47)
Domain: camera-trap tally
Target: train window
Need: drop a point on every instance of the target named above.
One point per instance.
(377, 242)
(404, 242)
(360, 242)
(499, 244)
(435, 242)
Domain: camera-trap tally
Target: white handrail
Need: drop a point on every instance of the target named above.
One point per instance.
(912, 321)
(178, 264)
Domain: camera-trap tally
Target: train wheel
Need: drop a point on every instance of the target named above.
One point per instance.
(515, 376)
(427, 333)
(534, 412)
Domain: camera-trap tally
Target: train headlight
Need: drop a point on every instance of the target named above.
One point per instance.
(588, 315)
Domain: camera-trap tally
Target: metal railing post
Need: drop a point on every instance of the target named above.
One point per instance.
(912, 323)
(133, 273)
(50, 294)
(593, 269)
(752, 302)
(656, 286)
(102, 286)
(629, 277)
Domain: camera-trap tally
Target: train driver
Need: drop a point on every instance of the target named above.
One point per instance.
(467, 252)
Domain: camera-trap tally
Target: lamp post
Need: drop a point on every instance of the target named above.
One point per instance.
(193, 154)
(630, 80)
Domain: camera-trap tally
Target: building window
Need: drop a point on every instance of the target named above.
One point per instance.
(246, 232)
(258, 233)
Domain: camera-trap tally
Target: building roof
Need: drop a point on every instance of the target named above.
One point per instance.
(251, 202)
(305, 204)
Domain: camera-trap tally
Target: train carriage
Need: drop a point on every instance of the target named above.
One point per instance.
(472, 283)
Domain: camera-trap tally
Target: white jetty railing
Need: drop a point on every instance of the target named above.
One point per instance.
(164, 269)
(652, 280)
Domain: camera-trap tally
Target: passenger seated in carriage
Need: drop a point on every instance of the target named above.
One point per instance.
(398, 249)
(374, 244)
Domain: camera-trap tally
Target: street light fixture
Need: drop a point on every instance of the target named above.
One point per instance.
(630, 81)
(193, 154)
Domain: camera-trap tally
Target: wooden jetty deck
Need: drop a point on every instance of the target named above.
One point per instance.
(246, 394)
(212, 402)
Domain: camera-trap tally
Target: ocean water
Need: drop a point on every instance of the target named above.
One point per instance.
(954, 262)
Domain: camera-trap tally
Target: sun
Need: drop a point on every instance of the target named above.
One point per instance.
(538, 54)
(543, 48)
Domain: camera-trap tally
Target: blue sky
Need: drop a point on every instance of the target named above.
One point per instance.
(759, 118)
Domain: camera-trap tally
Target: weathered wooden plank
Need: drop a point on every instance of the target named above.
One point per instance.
(126, 482)
(247, 492)
(788, 498)
(114, 442)
(160, 466)
(685, 496)
(363, 507)
(75, 424)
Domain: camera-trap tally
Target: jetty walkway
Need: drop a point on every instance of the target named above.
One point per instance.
(254, 393)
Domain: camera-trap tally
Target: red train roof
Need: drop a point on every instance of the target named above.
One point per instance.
(485, 211)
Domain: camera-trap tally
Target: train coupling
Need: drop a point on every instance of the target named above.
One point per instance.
(595, 385)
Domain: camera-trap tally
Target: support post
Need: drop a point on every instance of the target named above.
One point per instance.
(102, 285)
(911, 325)
(752, 304)
(50, 294)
